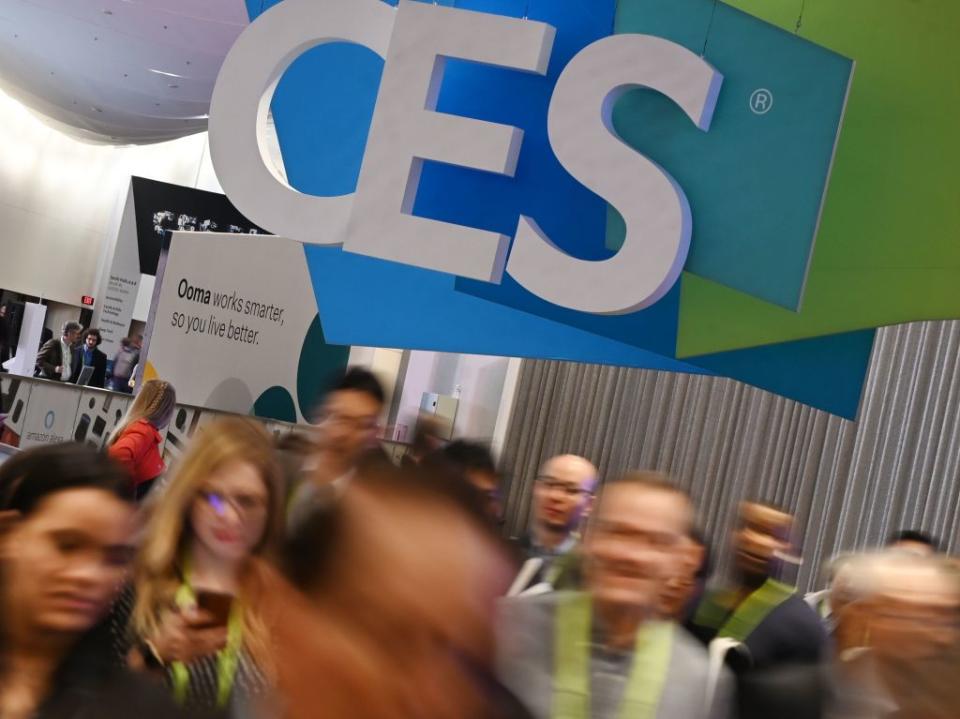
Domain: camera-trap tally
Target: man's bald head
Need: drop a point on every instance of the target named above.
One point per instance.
(563, 492)
(571, 467)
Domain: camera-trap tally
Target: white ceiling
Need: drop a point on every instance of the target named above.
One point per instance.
(117, 71)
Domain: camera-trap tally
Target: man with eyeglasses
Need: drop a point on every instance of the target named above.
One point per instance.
(348, 422)
(562, 496)
(606, 652)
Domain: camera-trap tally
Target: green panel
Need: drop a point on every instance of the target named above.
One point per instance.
(275, 403)
(887, 251)
(782, 13)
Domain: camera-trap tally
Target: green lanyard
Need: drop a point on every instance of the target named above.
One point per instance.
(749, 615)
(651, 659)
(228, 658)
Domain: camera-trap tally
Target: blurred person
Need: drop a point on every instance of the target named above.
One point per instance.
(46, 334)
(768, 617)
(66, 541)
(347, 425)
(604, 652)
(897, 639)
(195, 602)
(87, 355)
(562, 497)
(427, 439)
(399, 580)
(135, 443)
(804, 690)
(6, 335)
(294, 452)
(475, 463)
(55, 359)
(684, 589)
(914, 541)
(827, 601)
(124, 362)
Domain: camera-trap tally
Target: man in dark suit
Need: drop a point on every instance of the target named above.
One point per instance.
(87, 355)
(55, 360)
(768, 617)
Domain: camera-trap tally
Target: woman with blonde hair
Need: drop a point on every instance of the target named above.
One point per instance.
(135, 443)
(195, 613)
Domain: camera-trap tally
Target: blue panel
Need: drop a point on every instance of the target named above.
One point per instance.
(417, 309)
(373, 304)
(826, 372)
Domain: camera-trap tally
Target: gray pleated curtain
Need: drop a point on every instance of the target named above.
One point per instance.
(850, 484)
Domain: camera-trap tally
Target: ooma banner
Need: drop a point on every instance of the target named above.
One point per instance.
(234, 326)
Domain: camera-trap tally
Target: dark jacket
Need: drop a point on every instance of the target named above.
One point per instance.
(99, 378)
(49, 358)
(562, 572)
(6, 337)
(790, 634)
(5, 333)
(91, 685)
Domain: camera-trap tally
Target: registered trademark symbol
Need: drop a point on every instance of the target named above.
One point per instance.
(761, 101)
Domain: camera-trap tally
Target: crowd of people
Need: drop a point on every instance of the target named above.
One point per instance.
(310, 577)
(64, 358)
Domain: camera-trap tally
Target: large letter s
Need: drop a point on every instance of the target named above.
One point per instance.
(653, 206)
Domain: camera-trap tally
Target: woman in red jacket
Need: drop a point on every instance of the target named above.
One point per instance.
(135, 443)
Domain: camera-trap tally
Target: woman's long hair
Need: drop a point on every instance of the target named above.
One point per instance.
(158, 573)
(154, 403)
(32, 476)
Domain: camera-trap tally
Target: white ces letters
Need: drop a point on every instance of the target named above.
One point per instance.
(378, 219)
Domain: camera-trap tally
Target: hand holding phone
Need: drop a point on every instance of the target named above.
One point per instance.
(216, 605)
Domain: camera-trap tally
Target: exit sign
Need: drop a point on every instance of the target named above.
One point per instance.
(87, 301)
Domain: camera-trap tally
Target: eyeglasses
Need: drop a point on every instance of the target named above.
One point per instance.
(245, 505)
(358, 424)
(549, 484)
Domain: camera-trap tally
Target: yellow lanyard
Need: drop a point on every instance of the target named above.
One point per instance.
(751, 612)
(228, 658)
(651, 660)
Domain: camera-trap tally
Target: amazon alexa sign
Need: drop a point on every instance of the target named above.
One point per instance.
(377, 219)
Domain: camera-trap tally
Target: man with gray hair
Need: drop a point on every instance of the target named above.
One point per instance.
(897, 637)
(56, 356)
(562, 497)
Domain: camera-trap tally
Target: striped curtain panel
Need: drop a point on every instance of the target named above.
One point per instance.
(850, 484)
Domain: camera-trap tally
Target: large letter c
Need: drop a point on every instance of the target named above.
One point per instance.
(241, 100)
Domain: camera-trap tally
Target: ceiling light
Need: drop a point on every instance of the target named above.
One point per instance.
(164, 73)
